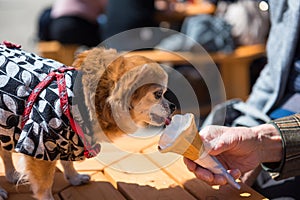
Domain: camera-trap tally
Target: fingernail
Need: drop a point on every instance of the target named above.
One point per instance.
(236, 173)
(207, 178)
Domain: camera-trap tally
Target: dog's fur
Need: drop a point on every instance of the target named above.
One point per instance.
(115, 87)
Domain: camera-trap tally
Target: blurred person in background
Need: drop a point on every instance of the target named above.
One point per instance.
(128, 14)
(72, 22)
(249, 19)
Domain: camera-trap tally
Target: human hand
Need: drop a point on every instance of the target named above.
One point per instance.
(239, 149)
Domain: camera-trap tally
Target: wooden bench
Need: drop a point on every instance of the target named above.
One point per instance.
(57, 51)
(180, 11)
(234, 67)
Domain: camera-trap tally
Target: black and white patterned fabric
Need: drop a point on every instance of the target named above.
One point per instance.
(47, 134)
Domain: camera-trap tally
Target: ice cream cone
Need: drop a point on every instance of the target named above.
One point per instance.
(182, 137)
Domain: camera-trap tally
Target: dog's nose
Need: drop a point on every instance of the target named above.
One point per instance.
(172, 107)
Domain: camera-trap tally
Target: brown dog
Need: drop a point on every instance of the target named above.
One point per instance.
(49, 112)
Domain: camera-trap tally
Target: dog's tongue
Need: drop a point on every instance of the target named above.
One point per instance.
(167, 121)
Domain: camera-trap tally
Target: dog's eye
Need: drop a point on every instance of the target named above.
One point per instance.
(158, 94)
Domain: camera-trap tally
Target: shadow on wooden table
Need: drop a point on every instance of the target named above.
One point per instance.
(201, 190)
(146, 192)
(62, 190)
(193, 189)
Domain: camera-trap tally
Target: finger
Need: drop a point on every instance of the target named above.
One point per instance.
(190, 164)
(235, 173)
(221, 180)
(204, 175)
(210, 178)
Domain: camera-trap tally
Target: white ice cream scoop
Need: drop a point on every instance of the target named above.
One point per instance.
(182, 137)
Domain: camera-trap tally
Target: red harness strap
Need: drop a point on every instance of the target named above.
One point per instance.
(89, 151)
(11, 45)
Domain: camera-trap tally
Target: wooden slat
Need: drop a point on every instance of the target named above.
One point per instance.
(110, 154)
(100, 189)
(23, 191)
(235, 70)
(183, 10)
(242, 52)
(23, 196)
(245, 52)
(201, 8)
(136, 142)
(223, 192)
(12, 188)
(236, 78)
(136, 192)
(175, 168)
(60, 183)
(99, 176)
(179, 172)
(135, 165)
(163, 160)
(164, 56)
(91, 191)
(93, 164)
(56, 197)
(151, 182)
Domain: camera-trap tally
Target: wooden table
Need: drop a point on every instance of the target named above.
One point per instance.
(132, 168)
(177, 12)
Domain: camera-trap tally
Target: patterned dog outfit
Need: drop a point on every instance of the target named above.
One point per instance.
(47, 134)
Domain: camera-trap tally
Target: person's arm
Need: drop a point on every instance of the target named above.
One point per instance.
(289, 128)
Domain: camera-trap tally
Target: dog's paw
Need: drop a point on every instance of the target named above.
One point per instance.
(3, 194)
(79, 179)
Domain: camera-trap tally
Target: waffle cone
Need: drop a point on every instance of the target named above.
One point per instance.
(188, 142)
(194, 150)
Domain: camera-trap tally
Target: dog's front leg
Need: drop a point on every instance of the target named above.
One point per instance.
(40, 174)
(11, 174)
(72, 175)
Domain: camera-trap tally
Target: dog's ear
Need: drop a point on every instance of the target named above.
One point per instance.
(133, 79)
(123, 88)
(119, 99)
(79, 59)
(116, 69)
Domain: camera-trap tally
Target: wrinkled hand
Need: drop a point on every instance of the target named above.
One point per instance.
(237, 148)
